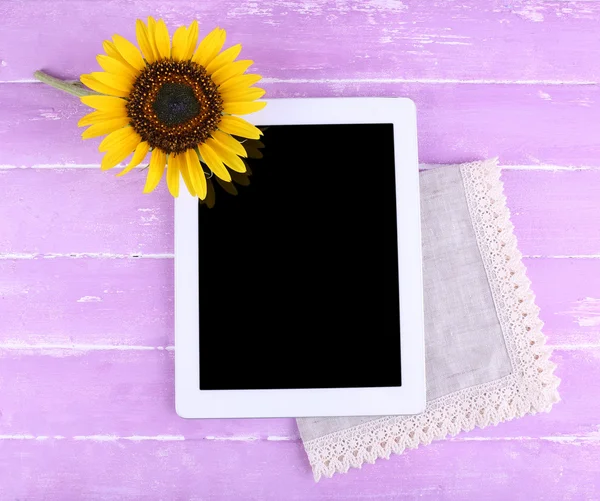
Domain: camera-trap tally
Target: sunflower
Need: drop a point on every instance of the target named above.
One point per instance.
(175, 99)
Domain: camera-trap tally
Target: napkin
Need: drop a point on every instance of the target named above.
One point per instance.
(486, 359)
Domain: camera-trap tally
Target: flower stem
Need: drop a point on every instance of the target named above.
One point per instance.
(76, 88)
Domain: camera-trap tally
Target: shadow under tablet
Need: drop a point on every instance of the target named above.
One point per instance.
(298, 273)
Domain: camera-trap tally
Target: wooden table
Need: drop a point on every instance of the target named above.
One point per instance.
(86, 260)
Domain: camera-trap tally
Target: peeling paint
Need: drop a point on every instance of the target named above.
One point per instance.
(586, 312)
(89, 299)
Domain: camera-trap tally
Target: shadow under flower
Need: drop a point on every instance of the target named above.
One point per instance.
(253, 148)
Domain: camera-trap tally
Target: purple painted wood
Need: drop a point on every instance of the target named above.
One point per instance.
(417, 39)
(105, 214)
(555, 213)
(199, 470)
(131, 393)
(123, 394)
(87, 301)
(522, 124)
(568, 294)
(129, 302)
(86, 395)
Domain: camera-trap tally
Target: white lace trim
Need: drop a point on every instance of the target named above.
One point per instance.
(530, 388)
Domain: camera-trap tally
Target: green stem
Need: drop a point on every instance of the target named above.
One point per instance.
(76, 88)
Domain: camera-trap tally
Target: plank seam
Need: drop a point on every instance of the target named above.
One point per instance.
(83, 255)
(389, 80)
(27, 256)
(18, 346)
(81, 347)
(593, 437)
(540, 167)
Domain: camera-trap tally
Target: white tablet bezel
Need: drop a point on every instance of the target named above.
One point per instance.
(191, 402)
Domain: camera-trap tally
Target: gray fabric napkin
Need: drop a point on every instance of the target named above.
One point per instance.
(485, 356)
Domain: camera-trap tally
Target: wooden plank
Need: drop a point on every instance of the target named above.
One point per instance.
(131, 393)
(555, 213)
(198, 470)
(568, 294)
(83, 211)
(111, 396)
(129, 302)
(114, 394)
(87, 301)
(537, 124)
(466, 39)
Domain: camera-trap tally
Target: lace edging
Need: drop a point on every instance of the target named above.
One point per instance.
(530, 388)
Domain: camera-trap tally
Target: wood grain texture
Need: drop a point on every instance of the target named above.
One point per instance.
(110, 303)
(87, 301)
(131, 393)
(554, 213)
(120, 393)
(86, 324)
(521, 124)
(320, 39)
(97, 213)
(568, 294)
(203, 470)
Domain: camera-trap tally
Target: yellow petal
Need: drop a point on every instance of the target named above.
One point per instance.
(90, 118)
(115, 66)
(243, 108)
(173, 162)
(141, 34)
(152, 37)
(239, 127)
(112, 51)
(94, 84)
(243, 94)
(140, 153)
(156, 169)
(192, 40)
(162, 40)
(225, 57)
(239, 82)
(230, 70)
(104, 127)
(105, 103)
(117, 137)
(99, 116)
(209, 47)
(180, 44)
(196, 172)
(119, 153)
(213, 161)
(227, 157)
(183, 166)
(130, 52)
(118, 82)
(230, 143)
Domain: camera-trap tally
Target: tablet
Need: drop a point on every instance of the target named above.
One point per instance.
(302, 294)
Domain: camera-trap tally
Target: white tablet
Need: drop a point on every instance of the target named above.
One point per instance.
(302, 294)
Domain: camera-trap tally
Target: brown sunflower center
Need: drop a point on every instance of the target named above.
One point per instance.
(174, 105)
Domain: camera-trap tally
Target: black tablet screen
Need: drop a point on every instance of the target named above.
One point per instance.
(299, 271)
